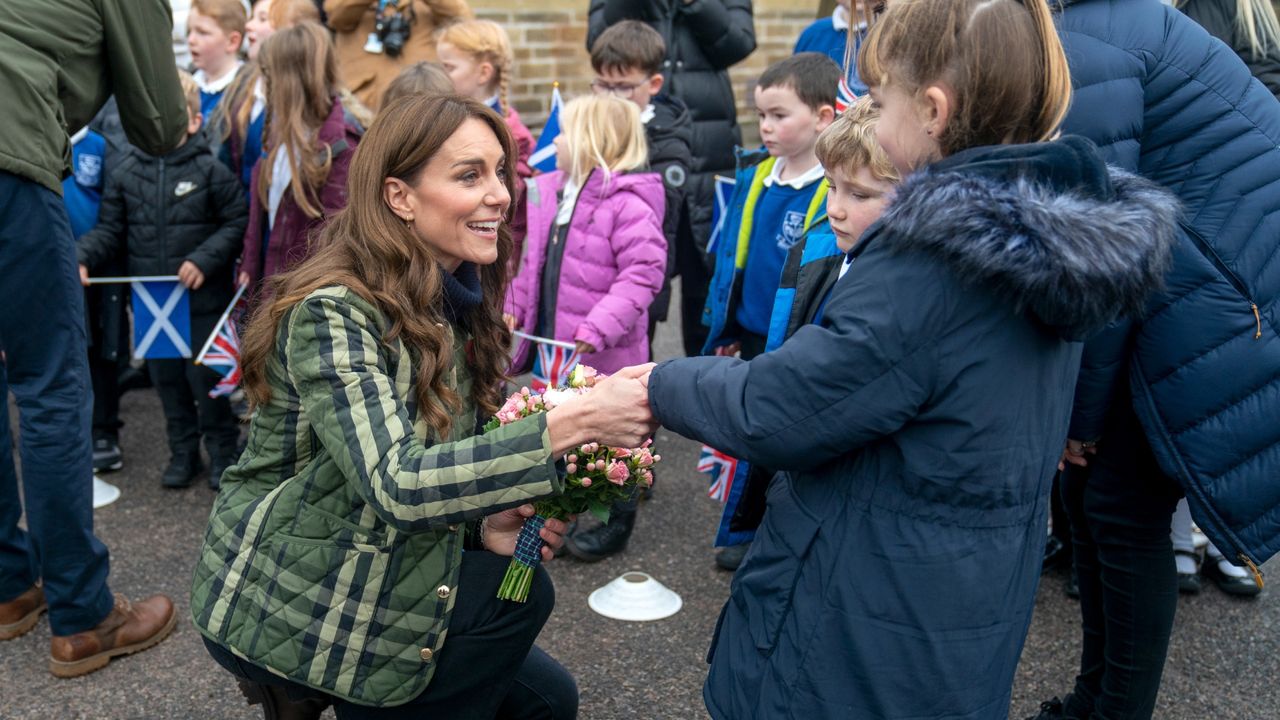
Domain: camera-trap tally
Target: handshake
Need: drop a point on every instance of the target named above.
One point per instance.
(615, 413)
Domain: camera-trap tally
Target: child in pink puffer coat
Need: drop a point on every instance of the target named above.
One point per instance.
(595, 255)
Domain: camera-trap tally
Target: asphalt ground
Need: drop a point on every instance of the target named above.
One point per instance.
(1224, 661)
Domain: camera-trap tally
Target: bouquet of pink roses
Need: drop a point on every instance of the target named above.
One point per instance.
(595, 476)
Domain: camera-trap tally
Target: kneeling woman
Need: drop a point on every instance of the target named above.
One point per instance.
(333, 568)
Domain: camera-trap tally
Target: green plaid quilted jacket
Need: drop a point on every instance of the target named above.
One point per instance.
(333, 549)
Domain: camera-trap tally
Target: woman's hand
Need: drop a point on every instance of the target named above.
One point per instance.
(583, 347)
(84, 276)
(510, 320)
(616, 413)
(501, 530)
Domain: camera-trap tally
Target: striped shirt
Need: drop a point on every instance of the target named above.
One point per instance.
(333, 549)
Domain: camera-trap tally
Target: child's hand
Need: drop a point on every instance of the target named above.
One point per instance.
(510, 320)
(190, 275)
(584, 347)
(243, 279)
(84, 276)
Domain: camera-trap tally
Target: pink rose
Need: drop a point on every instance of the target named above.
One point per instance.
(645, 459)
(648, 477)
(586, 482)
(622, 453)
(571, 468)
(618, 473)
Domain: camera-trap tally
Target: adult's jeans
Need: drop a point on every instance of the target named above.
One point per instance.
(1120, 507)
(488, 668)
(42, 332)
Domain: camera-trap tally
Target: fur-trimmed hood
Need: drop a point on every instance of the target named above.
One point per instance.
(1063, 236)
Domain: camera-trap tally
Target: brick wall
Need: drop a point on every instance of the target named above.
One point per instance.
(549, 39)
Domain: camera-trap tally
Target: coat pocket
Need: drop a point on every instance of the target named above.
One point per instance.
(765, 585)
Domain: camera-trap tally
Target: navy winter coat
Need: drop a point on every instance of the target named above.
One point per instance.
(1163, 98)
(918, 427)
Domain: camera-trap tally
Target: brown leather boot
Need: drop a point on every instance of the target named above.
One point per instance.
(130, 628)
(22, 613)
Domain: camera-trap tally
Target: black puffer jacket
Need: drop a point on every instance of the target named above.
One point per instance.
(670, 136)
(1219, 18)
(704, 38)
(161, 211)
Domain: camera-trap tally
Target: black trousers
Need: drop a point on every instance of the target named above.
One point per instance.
(691, 266)
(190, 413)
(1120, 509)
(489, 667)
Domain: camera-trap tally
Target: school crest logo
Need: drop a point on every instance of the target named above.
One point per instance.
(792, 229)
(89, 170)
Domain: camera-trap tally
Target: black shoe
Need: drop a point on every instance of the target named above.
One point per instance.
(729, 558)
(216, 468)
(1240, 586)
(1189, 583)
(1056, 554)
(277, 705)
(133, 379)
(181, 471)
(1049, 710)
(601, 542)
(106, 455)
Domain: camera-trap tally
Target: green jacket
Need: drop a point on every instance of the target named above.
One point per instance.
(333, 550)
(60, 61)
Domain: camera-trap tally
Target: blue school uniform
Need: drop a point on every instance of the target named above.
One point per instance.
(211, 92)
(82, 190)
(765, 218)
(829, 36)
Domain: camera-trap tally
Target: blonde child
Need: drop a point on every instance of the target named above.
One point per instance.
(595, 257)
(215, 29)
(300, 180)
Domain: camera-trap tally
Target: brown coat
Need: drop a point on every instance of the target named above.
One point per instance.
(368, 74)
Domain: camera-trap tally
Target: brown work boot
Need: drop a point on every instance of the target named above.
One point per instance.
(130, 628)
(22, 613)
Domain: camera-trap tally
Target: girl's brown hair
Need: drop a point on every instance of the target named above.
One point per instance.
(232, 115)
(1002, 59)
(301, 74)
(368, 249)
(487, 42)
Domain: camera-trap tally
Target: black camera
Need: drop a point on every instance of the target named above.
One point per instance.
(393, 31)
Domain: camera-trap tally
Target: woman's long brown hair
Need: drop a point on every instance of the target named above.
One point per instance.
(368, 249)
(301, 73)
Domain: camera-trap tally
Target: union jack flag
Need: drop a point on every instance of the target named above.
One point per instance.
(721, 467)
(222, 351)
(553, 366)
(850, 87)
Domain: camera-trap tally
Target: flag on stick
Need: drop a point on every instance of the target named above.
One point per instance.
(722, 468)
(724, 194)
(221, 352)
(161, 320)
(553, 365)
(543, 158)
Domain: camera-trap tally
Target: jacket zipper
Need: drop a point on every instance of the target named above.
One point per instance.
(1253, 568)
(1208, 252)
(160, 219)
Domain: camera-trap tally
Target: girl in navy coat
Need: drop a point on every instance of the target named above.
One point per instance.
(919, 424)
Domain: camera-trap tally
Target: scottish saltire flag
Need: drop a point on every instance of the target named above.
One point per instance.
(552, 367)
(722, 468)
(221, 352)
(161, 320)
(724, 194)
(543, 158)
